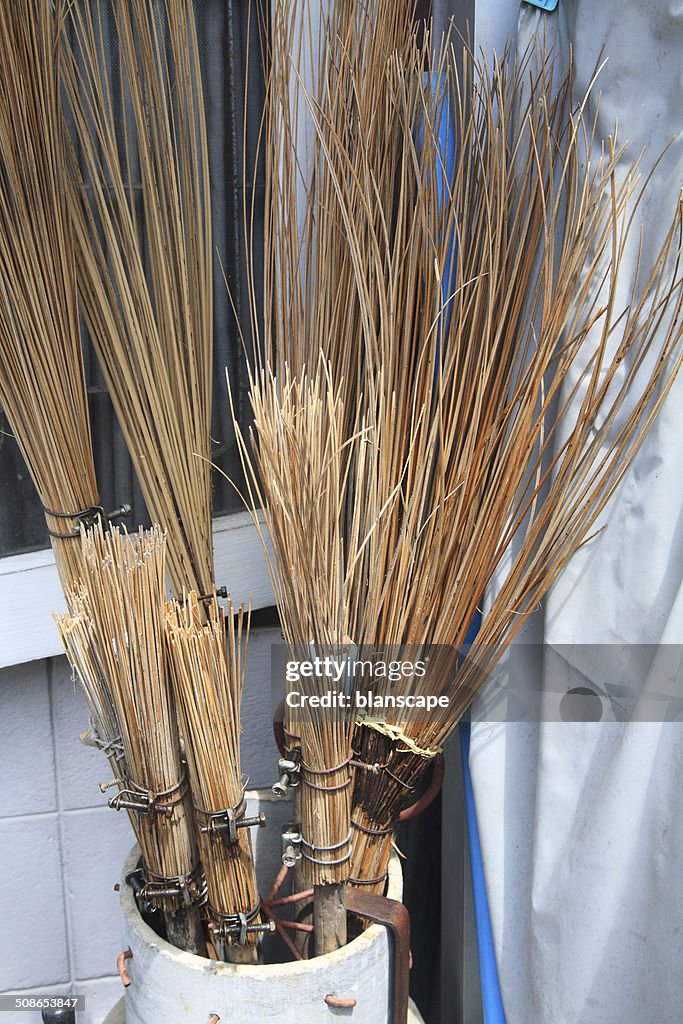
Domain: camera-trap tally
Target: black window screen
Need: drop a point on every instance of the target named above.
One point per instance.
(227, 50)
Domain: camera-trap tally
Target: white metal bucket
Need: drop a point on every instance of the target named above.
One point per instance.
(169, 986)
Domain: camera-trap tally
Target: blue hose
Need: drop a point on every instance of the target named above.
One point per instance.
(491, 998)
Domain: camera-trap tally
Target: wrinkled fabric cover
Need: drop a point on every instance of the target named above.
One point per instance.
(581, 824)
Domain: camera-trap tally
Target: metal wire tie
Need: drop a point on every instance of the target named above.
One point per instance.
(88, 517)
(327, 849)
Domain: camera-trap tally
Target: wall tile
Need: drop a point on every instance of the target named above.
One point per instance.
(96, 843)
(101, 994)
(31, 1016)
(26, 753)
(79, 768)
(33, 934)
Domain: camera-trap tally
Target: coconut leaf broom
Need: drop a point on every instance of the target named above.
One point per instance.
(145, 285)
(42, 381)
(465, 393)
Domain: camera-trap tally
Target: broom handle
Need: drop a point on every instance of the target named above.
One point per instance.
(329, 917)
(236, 954)
(184, 930)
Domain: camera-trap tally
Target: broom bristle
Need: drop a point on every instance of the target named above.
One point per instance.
(208, 691)
(42, 383)
(152, 331)
(122, 607)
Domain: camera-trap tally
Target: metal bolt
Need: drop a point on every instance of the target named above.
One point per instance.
(289, 856)
(104, 786)
(280, 788)
(291, 845)
(289, 774)
(123, 512)
(259, 820)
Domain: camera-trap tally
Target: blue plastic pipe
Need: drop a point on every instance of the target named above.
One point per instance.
(492, 1001)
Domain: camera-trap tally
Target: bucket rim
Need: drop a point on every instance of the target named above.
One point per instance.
(147, 937)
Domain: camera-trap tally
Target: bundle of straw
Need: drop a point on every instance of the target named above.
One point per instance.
(146, 291)
(42, 381)
(42, 384)
(300, 474)
(453, 297)
(208, 694)
(79, 639)
(122, 605)
(147, 295)
(504, 474)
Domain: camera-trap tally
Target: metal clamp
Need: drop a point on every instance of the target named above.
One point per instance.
(290, 773)
(291, 844)
(190, 888)
(132, 797)
(237, 926)
(87, 517)
(224, 824)
(137, 881)
(148, 887)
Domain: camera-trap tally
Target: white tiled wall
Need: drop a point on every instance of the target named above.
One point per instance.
(61, 847)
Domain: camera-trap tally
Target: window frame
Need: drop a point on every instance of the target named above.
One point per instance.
(30, 591)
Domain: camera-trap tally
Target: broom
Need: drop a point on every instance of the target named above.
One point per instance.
(152, 327)
(148, 303)
(326, 419)
(498, 472)
(468, 393)
(42, 382)
(300, 473)
(122, 604)
(208, 694)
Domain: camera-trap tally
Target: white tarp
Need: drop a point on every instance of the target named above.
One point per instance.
(581, 824)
